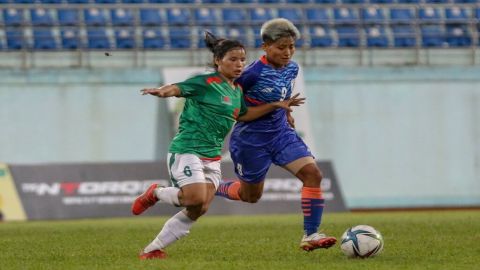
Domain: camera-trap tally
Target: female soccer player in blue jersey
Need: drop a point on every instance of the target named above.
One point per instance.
(255, 145)
(213, 103)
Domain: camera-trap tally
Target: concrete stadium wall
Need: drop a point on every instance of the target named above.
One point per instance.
(398, 137)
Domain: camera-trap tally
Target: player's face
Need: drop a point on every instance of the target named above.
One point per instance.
(280, 52)
(232, 64)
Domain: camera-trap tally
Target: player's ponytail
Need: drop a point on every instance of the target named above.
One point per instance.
(220, 46)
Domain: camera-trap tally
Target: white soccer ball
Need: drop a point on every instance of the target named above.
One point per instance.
(361, 241)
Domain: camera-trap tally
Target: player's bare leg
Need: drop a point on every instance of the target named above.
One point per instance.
(241, 191)
(312, 204)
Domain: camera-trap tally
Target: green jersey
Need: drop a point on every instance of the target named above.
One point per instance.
(211, 107)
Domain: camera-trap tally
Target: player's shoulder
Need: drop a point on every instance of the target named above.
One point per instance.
(293, 65)
(208, 78)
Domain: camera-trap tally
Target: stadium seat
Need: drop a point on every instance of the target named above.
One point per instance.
(41, 17)
(105, 1)
(373, 15)
(95, 17)
(13, 17)
(78, 1)
(402, 15)
(317, 15)
(97, 38)
(458, 36)
(70, 39)
(43, 39)
(205, 16)
(408, 1)
(68, 17)
(348, 36)
(436, 1)
(298, 1)
(320, 36)
(124, 38)
(432, 35)
(465, 1)
(260, 15)
(345, 15)
(122, 17)
(133, 1)
(51, 1)
(456, 15)
(353, 1)
(161, 1)
(151, 17)
(23, 1)
(15, 39)
(237, 33)
(292, 14)
(381, 1)
(429, 14)
(4, 1)
(257, 39)
(325, 1)
(213, 1)
(376, 36)
(177, 16)
(242, 1)
(403, 36)
(269, 1)
(232, 16)
(180, 37)
(153, 39)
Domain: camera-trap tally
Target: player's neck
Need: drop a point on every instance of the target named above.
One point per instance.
(229, 81)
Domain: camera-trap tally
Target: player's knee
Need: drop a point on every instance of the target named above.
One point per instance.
(251, 198)
(310, 175)
(194, 200)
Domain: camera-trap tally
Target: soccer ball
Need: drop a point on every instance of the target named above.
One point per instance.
(361, 241)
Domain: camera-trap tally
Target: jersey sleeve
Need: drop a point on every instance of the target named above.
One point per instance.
(194, 86)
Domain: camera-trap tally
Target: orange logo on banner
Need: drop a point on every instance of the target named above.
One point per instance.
(10, 205)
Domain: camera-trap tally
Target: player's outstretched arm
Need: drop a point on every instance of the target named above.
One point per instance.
(259, 111)
(165, 91)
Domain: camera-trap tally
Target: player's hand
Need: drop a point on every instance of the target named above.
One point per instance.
(293, 101)
(150, 91)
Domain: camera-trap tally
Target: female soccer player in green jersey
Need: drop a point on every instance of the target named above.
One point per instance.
(213, 103)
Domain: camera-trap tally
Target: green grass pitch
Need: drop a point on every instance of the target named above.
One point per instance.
(413, 240)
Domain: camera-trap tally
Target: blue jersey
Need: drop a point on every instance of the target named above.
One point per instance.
(261, 84)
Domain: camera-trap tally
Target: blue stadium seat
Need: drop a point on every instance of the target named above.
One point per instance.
(133, 1)
(320, 36)
(51, 1)
(184, 1)
(268, 1)
(68, 17)
(458, 36)
(348, 36)
(151, 17)
(13, 17)
(373, 15)
(376, 36)
(237, 33)
(43, 39)
(232, 16)
(95, 17)
(78, 1)
(432, 35)
(4, 1)
(260, 15)
(345, 15)
(180, 37)
(436, 1)
(317, 15)
(70, 39)
(403, 36)
(205, 16)
(153, 39)
(402, 15)
(242, 1)
(213, 1)
(23, 1)
(97, 38)
(456, 15)
(408, 1)
(465, 1)
(161, 1)
(381, 1)
(177, 16)
(105, 1)
(15, 39)
(122, 17)
(41, 17)
(353, 1)
(257, 39)
(429, 14)
(298, 1)
(124, 38)
(292, 14)
(325, 1)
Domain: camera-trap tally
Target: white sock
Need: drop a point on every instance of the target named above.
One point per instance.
(175, 228)
(168, 195)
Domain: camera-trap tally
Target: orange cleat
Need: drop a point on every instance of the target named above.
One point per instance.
(144, 201)
(317, 240)
(154, 254)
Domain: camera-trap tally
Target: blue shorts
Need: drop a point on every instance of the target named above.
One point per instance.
(253, 154)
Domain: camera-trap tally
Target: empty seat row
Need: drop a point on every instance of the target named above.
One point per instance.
(232, 16)
(186, 37)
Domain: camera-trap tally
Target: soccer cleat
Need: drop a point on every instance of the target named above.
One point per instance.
(317, 240)
(154, 254)
(144, 201)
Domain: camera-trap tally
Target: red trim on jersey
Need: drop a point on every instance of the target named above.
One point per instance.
(215, 79)
(263, 59)
(211, 158)
(253, 101)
